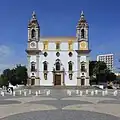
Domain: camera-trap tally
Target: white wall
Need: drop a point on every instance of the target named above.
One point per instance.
(63, 45)
(51, 58)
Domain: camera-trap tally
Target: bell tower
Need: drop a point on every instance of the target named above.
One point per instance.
(33, 32)
(82, 51)
(33, 50)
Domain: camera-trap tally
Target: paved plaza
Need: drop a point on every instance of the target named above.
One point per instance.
(60, 104)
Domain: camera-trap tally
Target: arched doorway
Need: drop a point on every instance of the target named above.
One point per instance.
(82, 81)
(32, 81)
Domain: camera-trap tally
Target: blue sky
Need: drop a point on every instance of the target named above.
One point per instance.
(58, 18)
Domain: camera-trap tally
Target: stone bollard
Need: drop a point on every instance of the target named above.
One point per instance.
(36, 93)
(69, 92)
(2, 93)
(20, 92)
(106, 92)
(13, 93)
(86, 92)
(25, 94)
(115, 93)
(92, 93)
(96, 92)
(77, 92)
(39, 92)
(30, 92)
(103, 93)
(81, 93)
(48, 92)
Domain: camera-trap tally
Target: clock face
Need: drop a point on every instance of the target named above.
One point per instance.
(83, 44)
(33, 45)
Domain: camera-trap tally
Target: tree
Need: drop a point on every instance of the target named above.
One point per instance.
(91, 67)
(14, 76)
(21, 74)
(3, 81)
(111, 77)
(98, 71)
(91, 73)
(13, 80)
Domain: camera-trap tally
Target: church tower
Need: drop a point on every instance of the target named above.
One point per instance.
(33, 50)
(83, 52)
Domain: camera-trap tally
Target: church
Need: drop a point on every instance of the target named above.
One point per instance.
(58, 61)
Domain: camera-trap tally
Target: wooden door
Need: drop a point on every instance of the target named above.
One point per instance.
(57, 79)
(32, 81)
(82, 81)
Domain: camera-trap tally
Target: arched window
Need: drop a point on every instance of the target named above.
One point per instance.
(70, 67)
(33, 33)
(70, 76)
(82, 66)
(32, 66)
(57, 46)
(82, 33)
(58, 65)
(45, 66)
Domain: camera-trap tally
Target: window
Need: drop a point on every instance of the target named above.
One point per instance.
(45, 54)
(82, 73)
(32, 66)
(45, 67)
(82, 33)
(57, 54)
(70, 67)
(70, 46)
(57, 46)
(58, 65)
(45, 45)
(70, 54)
(45, 76)
(33, 33)
(70, 76)
(83, 67)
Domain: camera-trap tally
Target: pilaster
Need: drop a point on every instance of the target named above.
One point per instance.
(87, 73)
(79, 71)
(28, 68)
(37, 81)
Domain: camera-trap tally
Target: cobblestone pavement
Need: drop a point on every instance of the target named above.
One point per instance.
(59, 106)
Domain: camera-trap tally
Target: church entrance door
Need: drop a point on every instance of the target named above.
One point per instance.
(32, 81)
(83, 81)
(57, 79)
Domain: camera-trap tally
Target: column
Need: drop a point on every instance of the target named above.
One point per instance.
(87, 83)
(37, 82)
(78, 71)
(28, 69)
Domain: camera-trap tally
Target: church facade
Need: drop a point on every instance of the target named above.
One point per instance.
(60, 61)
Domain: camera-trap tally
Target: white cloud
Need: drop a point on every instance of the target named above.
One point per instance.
(5, 66)
(5, 51)
(9, 57)
(5, 54)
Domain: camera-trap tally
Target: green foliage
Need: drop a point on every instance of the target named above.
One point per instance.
(111, 77)
(3, 81)
(14, 76)
(99, 72)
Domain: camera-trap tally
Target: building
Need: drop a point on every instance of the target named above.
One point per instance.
(108, 59)
(58, 60)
